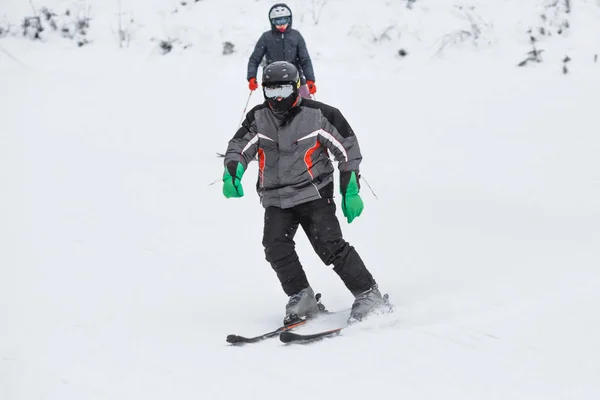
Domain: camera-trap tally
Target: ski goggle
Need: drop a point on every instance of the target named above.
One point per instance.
(284, 91)
(280, 21)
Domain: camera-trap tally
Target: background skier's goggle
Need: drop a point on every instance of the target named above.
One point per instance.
(284, 91)
(280, 21)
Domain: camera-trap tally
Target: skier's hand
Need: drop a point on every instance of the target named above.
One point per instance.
(312, 88)
(252, 84)
(232, 180)
(352, 204)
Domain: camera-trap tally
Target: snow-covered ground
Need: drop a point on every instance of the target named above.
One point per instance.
(122, 269)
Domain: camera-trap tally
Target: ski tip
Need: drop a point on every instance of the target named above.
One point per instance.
(236, 339)
(288, 337)
(232, 338)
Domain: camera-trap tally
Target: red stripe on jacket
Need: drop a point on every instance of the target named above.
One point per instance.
(261, 166)
(308, 157)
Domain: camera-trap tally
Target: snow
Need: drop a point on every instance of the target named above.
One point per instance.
(123, 268)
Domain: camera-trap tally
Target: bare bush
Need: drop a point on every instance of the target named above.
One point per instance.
(555, 18)
(316, 10)
(32, 28)
(6, 28)
(165, 46)
(410, 3)
(534, 55)
(383, 35)
(73, 26)
(473, 33)
(454, 38)
(566, 60)
(77, 27)
(126, 27)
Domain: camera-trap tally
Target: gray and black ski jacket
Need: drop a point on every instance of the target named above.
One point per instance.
(287, 46)
(293, 153)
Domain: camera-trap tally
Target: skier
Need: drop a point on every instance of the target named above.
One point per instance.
(282, 43)
(292, 137)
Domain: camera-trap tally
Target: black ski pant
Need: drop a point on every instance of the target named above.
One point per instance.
(319, 222)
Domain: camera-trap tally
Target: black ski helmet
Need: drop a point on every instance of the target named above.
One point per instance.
(277, 74)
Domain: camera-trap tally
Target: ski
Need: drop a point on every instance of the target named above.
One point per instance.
(291, 337)
(238, 340)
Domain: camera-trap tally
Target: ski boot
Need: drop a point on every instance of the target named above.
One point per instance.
(302, 305)
(369, 302)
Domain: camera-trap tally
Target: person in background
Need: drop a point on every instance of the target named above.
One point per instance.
(282, 43)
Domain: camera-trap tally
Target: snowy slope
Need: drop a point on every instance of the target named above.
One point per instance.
(122, 269)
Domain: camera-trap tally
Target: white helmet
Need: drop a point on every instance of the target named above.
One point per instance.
(280, 11)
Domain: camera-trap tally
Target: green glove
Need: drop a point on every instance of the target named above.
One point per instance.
(232, 180)
(352, 204)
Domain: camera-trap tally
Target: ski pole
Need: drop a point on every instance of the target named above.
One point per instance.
(364, 180)
(245, 107)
